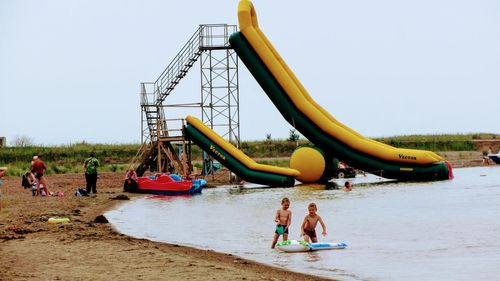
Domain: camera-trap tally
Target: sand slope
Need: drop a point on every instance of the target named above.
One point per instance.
(32, 249)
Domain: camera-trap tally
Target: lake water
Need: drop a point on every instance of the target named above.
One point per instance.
(447, 230)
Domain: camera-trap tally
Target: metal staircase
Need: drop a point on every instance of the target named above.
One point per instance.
(153, 94)
(155, 131)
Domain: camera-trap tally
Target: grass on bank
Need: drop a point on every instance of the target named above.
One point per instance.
(117, 157)
(68, 158)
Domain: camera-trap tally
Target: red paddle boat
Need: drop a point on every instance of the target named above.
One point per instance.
(166, 185)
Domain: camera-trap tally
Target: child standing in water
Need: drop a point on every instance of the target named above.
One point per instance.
(283, 219)
(308, 228)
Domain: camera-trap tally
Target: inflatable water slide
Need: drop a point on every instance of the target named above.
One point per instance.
(234, 159)
(331, 138)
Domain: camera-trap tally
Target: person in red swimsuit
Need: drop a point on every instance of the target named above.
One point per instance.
(39, 168)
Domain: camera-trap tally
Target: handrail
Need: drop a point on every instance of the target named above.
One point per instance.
(208, 36)
(175, 58)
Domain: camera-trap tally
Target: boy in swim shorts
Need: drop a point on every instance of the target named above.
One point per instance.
(283, 220)
(308, 228)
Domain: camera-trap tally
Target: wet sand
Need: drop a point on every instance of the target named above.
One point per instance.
(89, 249)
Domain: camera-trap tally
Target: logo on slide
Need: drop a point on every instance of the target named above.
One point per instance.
(401, 156)
(216, 152)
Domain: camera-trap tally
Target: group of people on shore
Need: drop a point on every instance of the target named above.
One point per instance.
(283, 219)
(35, 178)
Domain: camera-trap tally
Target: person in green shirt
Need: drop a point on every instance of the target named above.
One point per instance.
(91, 165)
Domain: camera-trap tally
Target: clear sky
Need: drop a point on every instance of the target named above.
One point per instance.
(70, 70)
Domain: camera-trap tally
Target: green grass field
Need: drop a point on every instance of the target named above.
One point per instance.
(117, 157)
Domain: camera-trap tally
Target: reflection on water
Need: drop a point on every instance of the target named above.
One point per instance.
(444, 230)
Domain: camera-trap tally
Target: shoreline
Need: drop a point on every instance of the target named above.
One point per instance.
(86, 249)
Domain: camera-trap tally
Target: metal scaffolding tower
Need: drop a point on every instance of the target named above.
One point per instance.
(164, 147)
(219, 85)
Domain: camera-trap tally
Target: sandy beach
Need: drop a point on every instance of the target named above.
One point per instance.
(88, 249)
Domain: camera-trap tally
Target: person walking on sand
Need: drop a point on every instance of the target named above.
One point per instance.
(283, 220)
(90, 164)
(308, 228)
(39, 169)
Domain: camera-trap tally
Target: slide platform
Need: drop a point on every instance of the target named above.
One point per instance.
(235, 160)
(333, 138)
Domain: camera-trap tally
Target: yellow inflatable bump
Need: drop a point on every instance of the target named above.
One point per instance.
(236, 153)
(247, 19)
(310, 162)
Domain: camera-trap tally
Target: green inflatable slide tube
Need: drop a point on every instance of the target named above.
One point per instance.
(331, 146)
(235, 165)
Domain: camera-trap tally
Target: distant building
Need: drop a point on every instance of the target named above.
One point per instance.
(3, 141)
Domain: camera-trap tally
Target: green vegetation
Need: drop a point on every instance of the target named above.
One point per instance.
(270, 148)
(456, 142)
(276, 162)
(293, 136)
(68, 158)
(113, 158)
(433, 145)
(441, 137)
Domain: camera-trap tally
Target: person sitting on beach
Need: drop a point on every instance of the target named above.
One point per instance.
(283, 220)
(308, 228)
(347, 186)
(29, 181)
(131, 174)
(34, 186)
(25, 182)
(130, 180)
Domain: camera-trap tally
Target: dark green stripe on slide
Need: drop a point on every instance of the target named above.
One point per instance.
(332, 146)
(233, 164)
